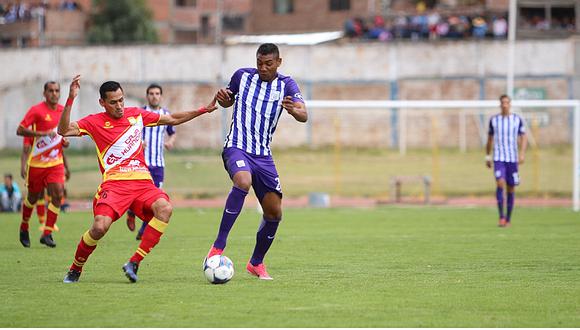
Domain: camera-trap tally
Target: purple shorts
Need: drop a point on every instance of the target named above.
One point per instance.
(157, 175)
(507, 171)
(264, 175)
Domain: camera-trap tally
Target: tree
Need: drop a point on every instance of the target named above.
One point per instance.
(121, 22)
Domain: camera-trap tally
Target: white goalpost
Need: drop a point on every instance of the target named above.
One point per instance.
(465, 107)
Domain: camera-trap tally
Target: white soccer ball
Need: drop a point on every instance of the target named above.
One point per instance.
(218, 269)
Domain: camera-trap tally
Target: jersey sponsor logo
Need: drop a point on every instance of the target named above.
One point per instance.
(45, 143)
(299, 96)
(125, 146)
(240, 163)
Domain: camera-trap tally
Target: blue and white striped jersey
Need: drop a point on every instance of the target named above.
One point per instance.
(257, 109)
(154, 138)
(505, 131)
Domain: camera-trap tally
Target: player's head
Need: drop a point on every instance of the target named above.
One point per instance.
(112, 98)
(267, 61)
(505, 103)
(51, 92)
(154, 93)
(7, 179)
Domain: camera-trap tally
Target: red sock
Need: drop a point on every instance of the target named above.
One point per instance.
(51, 216)
(86, 246)
(26, 213)
(150, 238)
(41, 210)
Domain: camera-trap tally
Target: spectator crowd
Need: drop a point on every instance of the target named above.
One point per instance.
(24, 11)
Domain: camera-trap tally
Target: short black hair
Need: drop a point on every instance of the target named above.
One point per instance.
(50, 83)
(268, 48)
(504, 96)
(154, 86)
(109, 86)
(8, 175)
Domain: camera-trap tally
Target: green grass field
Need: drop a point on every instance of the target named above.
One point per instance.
(381, 267)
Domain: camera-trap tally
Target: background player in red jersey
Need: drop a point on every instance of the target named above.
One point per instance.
(45, 162)
(127, 183)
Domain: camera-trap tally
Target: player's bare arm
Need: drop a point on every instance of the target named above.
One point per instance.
(170, 142)
(296, 109)
(25, 131)
(24, 160)
(184, 116)
(65, 127)
(225, 97)
(523, 139)
(488, 151)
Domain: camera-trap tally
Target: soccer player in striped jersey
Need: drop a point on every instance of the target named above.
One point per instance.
(117, 133)
(507, 135)
(154, 142)
(259, 96)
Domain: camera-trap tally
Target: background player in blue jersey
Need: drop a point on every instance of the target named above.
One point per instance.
(506, 132)
(154, 142)
(259, 96)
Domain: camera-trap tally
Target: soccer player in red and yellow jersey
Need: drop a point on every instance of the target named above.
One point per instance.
(127, 183)
(45, 162)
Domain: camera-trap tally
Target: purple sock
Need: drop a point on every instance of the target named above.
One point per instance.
(499, 196)
(510, 204)
(234, 205)
(264, 239)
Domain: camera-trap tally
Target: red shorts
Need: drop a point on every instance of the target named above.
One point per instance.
(39, 177)
(120, 195)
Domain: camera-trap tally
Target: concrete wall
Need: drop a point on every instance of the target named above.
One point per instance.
(190, 76)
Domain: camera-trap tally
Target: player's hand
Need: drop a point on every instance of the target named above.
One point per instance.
(23, 173)
(66, 173)
(288, 104)
(65, 143)
(522, 158)
(211, 105)
(168, 145)
(488, 163)
(75, 85)
(50, 133)
(224, 95)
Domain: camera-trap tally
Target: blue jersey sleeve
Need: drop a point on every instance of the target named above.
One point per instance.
(292, 89)
(170, 130)
(234, 84)
(490, 130)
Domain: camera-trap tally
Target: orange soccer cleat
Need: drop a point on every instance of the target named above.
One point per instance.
(259, 271)
(214, 252)
(502, 222)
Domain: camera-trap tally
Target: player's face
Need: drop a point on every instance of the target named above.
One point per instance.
(267, 66)
(505, 105)
(52, 94)
(114, 103)
(154, 97)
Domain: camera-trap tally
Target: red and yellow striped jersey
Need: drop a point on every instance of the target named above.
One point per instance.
(119, 142)
(46, 150)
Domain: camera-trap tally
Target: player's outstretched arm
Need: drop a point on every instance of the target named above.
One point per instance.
(296, 109)
(184, 116)
(65, 127)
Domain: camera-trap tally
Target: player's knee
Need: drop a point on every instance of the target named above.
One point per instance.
(100, 227)
(163, 210)
(243, 180)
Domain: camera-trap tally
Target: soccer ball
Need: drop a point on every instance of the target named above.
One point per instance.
(218, 269)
